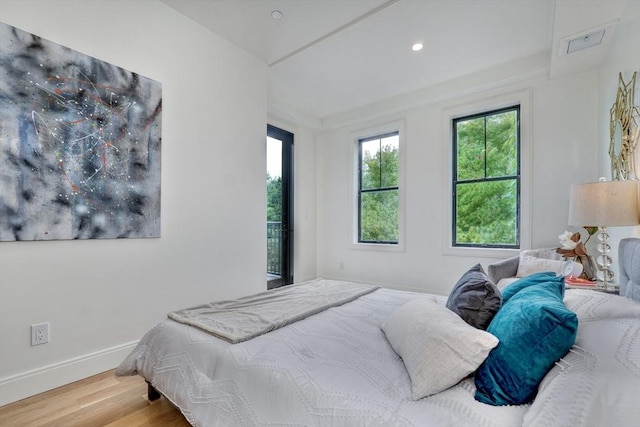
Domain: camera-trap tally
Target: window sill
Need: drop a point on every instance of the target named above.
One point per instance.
(480, 252)
(378, 247)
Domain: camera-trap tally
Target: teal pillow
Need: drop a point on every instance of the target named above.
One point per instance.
(535, 330)
(533, 279)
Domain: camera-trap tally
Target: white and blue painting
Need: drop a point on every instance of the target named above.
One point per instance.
(80, 144)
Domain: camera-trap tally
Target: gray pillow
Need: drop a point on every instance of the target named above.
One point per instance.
(475, 298)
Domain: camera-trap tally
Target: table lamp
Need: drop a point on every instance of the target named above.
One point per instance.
(604, 204)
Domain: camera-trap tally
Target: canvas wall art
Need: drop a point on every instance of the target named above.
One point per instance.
(80, 144)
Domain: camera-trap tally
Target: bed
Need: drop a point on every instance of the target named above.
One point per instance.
(337, 366)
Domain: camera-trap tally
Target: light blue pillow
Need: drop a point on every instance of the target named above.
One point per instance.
(533, 279)
(535, 329)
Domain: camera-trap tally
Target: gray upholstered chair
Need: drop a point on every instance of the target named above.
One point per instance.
(508, 268)
(503, 269)
(629, 262)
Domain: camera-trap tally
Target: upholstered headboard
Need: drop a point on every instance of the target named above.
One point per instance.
(629, 259)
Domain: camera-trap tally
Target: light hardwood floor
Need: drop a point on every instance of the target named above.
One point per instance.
(101, 400)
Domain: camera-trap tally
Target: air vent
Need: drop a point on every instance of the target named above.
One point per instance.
(585, 42)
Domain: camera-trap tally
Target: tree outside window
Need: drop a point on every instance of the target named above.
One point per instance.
(486, 179)
(378, 189)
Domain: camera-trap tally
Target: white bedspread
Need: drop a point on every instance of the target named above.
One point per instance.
(597, 384)
(336, 368)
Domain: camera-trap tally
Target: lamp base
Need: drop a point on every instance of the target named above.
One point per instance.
(607, 287)
(604, 275)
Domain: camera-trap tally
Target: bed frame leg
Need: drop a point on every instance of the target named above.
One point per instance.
(152, 393)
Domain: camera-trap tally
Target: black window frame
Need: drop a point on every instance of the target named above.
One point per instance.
(287, 220)
(517, 177)
(380, 137)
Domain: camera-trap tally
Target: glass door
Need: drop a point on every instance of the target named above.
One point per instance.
(279, 207)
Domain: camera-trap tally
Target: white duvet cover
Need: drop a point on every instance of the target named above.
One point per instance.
(336, 368)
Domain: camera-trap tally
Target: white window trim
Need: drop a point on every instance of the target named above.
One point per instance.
(355, 137)
(522, 98)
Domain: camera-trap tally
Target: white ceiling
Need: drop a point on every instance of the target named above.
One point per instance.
(329, 56)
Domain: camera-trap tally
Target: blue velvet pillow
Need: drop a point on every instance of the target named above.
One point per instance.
(535, 329)
(531, 280)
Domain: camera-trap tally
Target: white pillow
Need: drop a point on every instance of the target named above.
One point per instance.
(438, 348)
(506, 281)
(529, 264)
(546, 253)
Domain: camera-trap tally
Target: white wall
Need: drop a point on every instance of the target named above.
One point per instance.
(624, 57)
(102, 295)
(563, 140)
(569, 143)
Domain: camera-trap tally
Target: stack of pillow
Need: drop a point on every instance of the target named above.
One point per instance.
(509, 340)
(535, 329)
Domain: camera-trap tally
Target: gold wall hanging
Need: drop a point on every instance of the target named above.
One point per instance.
(624, 131)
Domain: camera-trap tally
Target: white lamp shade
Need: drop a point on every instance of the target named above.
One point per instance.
(605, 203)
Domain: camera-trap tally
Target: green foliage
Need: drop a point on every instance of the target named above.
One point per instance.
(498, 158)
(486, 211)
(274, 198)
(379, 209)
(379, 216)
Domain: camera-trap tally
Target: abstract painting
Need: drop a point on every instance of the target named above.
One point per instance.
(80, 144)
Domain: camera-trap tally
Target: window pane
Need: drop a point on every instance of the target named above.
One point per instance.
(379, 216)
(487, 213)
(274, 179)
(470, 149)
(502, 145)
(370, 167)
(389, 161)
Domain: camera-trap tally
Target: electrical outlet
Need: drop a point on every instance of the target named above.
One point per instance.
(40, 333)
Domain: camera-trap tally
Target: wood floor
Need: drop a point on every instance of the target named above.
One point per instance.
(101, 400)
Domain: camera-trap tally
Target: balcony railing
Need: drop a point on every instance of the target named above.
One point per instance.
(274, 247)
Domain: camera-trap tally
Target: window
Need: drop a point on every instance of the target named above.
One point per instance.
(378, 188)
(486, 179)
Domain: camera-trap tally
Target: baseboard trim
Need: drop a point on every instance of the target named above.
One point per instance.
(30, 383)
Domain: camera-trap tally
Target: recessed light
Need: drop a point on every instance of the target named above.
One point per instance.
(276, 14)
(417, 46)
